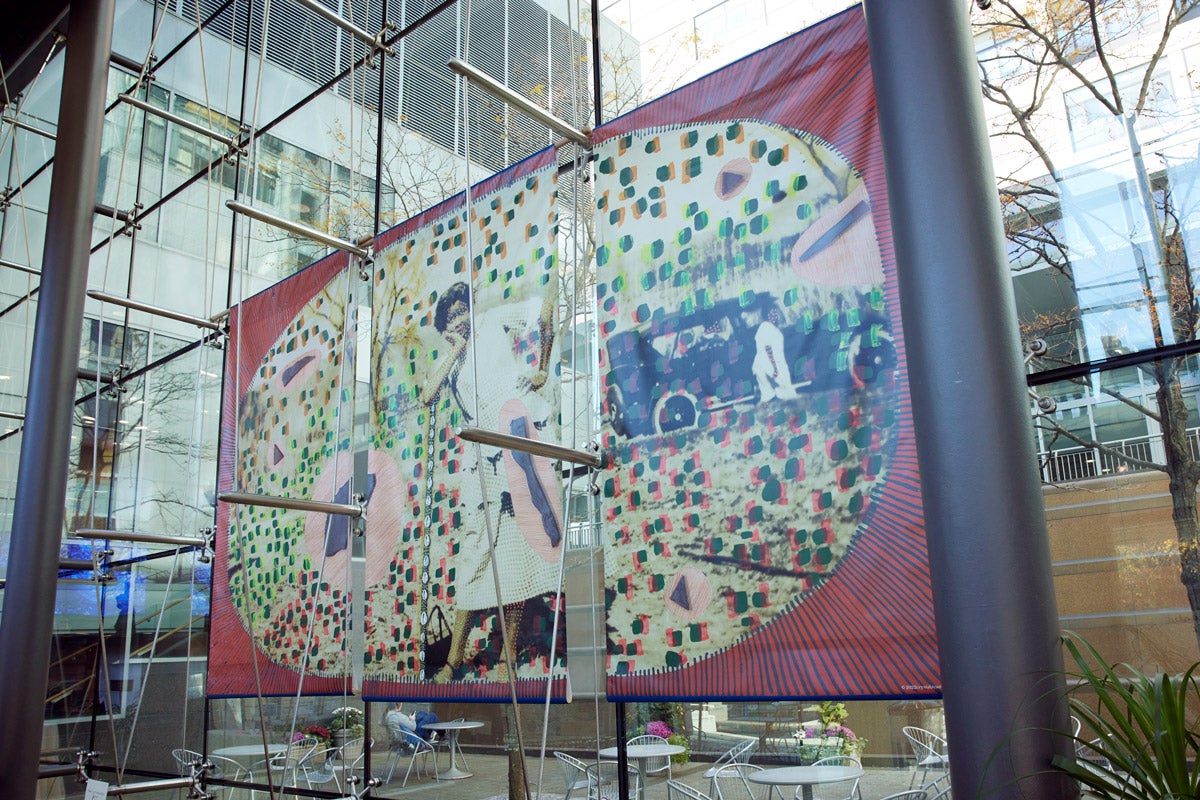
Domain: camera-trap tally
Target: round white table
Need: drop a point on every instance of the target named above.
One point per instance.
(452, 729)
(249, 750)
(641, 753)
(804, 777)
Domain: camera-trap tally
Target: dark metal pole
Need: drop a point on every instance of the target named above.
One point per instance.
(25, 628)
(622, 753)
(597, 83)
(997, 620)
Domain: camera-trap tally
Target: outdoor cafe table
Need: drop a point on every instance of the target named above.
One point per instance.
(804, 777)
(451, 728)
(641, 753)
(240, 751)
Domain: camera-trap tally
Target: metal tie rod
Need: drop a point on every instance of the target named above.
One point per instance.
(126, 302)
(13, 415)
(55, 770)
(345, 24)
(297, 228)
(25, 126)
(20, 267)
(494, 87)
(152, 786)
(115, 213)
(143, 538)
(253, 499)
(91, 375)
(128, 63)
(532, 446)
(183, 122)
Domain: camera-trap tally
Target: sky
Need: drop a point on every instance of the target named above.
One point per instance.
(696, 37)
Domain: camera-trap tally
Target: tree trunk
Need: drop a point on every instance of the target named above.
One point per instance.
(1183, 473)
(516, 775)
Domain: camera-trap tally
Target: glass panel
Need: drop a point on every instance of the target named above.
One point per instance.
(131, 153)
(292, 183)
(1114, 544)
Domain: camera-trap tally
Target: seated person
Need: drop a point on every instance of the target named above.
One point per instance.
(423, 718)
(399, 723)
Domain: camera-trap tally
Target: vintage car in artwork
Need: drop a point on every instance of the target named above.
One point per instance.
(663, 375)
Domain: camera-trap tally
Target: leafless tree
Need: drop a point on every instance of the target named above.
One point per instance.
(1110, 54)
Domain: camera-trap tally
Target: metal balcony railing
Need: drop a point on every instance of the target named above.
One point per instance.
(1081, 463)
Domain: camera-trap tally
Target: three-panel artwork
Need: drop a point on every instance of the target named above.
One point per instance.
(760, 512)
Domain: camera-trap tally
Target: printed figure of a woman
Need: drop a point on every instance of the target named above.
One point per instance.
(512, 351)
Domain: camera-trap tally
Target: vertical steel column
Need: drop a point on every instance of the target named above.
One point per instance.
(996, 615)
(26, 625)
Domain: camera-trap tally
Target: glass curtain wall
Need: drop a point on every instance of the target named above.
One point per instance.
(1100, 207)
(128, 667)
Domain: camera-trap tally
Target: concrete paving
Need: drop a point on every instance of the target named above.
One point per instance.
(489, 781)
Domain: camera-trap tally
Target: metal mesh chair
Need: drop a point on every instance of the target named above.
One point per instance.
(290, 765)
(940, 788)
(653, 766)
(604, 783)
(908, 794)
(419, 749)
(730, 782)
(321, 768)
(833, 792)
(188, 760)
(349, 759)
(739, 753)
(574, 773)
(676, 790)
(932, 754)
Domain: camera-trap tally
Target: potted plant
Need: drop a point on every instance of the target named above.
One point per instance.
(347, 725)
(319, 732)
(659, 728)
(1137, 741)
(827, 735)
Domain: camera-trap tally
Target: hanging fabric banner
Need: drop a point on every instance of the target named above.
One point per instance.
(463, 335)
(281, 583)
(763, 520)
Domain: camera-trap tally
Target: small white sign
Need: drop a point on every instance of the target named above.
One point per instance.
(96, 790)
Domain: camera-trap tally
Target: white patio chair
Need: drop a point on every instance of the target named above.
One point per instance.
(287, 767)
(223, 767)
(1090, 752)
(908, 794)
(418, 748)
(604, 784)
(320, 768)
(932, 754)
(574, 773)
(940, 788)
(730, 783)
(349, 759)
(832, 791)
(653, 766)
(677, 790)
(185, 759)
(740, 753)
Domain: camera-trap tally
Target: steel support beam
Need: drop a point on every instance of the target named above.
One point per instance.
(291, 504)
(997, 620)
(524, 444)
(501, 92)
(37, 521)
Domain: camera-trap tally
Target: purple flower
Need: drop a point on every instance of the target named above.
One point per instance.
(658, 728)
